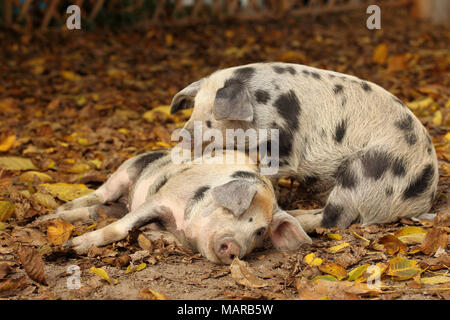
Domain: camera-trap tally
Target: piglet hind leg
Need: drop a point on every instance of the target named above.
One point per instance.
(118, 230)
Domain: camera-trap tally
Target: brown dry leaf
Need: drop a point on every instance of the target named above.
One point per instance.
(33, 264)
(392, 244)
(29, 235)
(244, 275)
(144, 243)
(5, 269)
(58, 231)
(13, 284)
(435, 238)
(150, 294)
(338, 290)
(334, 269)
(31, 176)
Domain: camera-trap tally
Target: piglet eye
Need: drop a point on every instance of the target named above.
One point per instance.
(260, 231)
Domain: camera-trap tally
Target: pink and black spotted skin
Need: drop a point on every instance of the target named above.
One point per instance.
(338, 134)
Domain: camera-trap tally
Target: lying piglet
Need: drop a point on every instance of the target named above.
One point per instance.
(222, 211)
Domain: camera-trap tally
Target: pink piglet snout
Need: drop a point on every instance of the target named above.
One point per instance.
(226, 249)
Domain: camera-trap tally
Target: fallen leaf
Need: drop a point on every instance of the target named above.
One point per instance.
(339, 290)
(6, 210)
(392, 244)
(244, 275)
(411, 235)
(357, 272)
(312, 260)
(7, 143)
(16, 163)
(334, 236)
(66, 191)
(101, 273)
(5, 269)
(334, 269)
(402, 269)
(435, 280)
(58, 231)
(13, 284)
(435, 238)
(144, 243)
(33, 264)
(29, 236)
(150, 294)
(380, 54)
(45, 200)
(30, 176)
(324, 277)
(338, 248)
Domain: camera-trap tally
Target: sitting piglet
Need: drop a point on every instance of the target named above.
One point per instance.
(223, 211)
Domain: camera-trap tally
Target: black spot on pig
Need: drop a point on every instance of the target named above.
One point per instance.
(411, 138)
(375, 163)
(331, 215)
(344, 101)
(366, 86)
(310, 180)
(316, 75)
(285, 144)
(306, 72)
(420, 184)
(338, 88)
(146, 159)
(208, 123)
(288, 107)
(262, 96)
(398, 167)
(405, 124)
(281, 70)
(200, 193)
(345, 177)
(278, 69)
(340, 130)
(244, 74)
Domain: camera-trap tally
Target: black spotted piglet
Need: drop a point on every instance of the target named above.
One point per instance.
(339, 134)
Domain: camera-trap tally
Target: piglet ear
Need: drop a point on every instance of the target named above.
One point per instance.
(286, 232)
(185, 98)
(233, 102)
(235, 195)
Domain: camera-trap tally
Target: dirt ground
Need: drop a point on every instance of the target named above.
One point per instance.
(78, 105)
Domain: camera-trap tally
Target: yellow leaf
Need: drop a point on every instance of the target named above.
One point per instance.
(357, 272)
(29, 176)
(45, 200)
(101, 273)
(437, 118)
(402, 269)
(380, 54)
(435, 280)
(140, 267)
(2, 226)
(16, 163)
(360, 237)
(66, 191)
(80, 167)
(338, 248)
(411, 235)
(150, 294)
(334, 236)
(325, 277)
(150, 115)
(334, 269)
(58, 232)
(69, 75)
(6, 144)
(6, 210)
(312, 261)
(420, 104)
